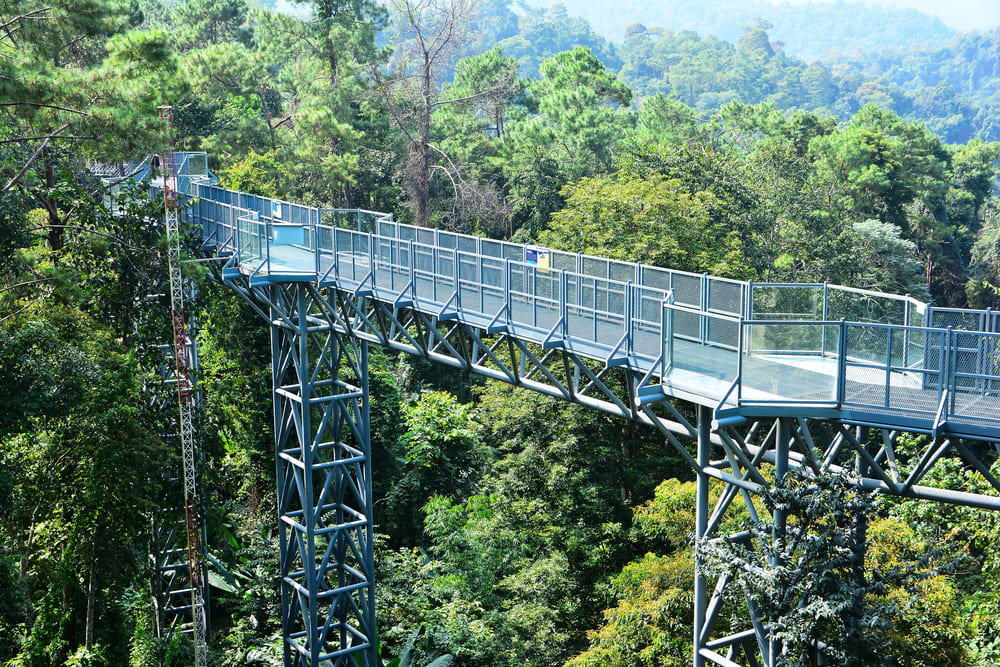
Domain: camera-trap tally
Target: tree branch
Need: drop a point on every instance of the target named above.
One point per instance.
(19, 310)
(39, 105)
(25, 283)
(19, 139)
(32, 159)
(78, 228)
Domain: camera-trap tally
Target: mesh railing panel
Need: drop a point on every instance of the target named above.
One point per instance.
(563, 260)
(468, 244)
(723, 333)
(595, 266)
(725, 296)
(965, 320)
(491, 248)
(622, 271)
(656, 277)
(512, 251)
(687, 289)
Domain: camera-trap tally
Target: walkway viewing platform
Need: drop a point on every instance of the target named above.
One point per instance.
(742, 348)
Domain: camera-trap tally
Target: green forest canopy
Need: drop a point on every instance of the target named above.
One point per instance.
(560, 541)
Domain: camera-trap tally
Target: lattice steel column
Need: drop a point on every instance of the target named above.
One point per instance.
(701, 532)
(322, 440)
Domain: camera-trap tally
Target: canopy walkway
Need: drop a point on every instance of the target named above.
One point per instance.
(746, 370)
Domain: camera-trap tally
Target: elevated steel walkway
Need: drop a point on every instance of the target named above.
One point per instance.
(741, 348)
(816, 378)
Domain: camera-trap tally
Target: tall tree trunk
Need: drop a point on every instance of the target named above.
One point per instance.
(88, 637)
(424, 169)
(267, 118)
(55, 224)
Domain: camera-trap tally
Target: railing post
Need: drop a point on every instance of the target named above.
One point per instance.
(888, 367)
(842, 364)
(629, 319)
(564, 303)
(667, 334)
(740, 343)
(945, 363)
(703, 302)
(454, 278)
(268, 230)
(371, 260)
(952, 371)
(481, 281)
(906, 332)
(506, 293)
(748, 306)
(316, 242)
(410, 260)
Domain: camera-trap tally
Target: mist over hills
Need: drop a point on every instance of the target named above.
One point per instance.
(808, 31)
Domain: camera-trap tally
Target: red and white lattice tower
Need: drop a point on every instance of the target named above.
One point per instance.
(185, 395)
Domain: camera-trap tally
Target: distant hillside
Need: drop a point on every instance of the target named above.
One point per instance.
(969, 64)
(808, 31)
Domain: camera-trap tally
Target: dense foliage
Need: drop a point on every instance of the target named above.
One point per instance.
(513, 529)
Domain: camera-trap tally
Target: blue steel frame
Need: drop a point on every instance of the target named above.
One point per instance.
(323, 459)
(597, 332)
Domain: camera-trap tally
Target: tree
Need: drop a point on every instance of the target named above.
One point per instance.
(442, 456)
(655, 221)
(808, 581)
(650, 622)
(211, 21)
(233, 81)
(75, 80)
(467, 135)
(304, 92)
(880, 167)
(81, 483)
(886, 262)
(581, 119)
(432, 36)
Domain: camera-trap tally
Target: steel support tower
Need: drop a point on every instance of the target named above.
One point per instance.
(323, 467)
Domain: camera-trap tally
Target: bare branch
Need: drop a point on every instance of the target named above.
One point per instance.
(26, 283)
(32, 159)
(39, 105)
(31, 15)
(20, 139)
(474, 96)
(19, 311)
(90, 231)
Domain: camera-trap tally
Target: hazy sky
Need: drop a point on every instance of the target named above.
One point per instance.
(964, 15)
(961, 14)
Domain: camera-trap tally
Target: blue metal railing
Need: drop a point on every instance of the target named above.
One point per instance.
(765, 344)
